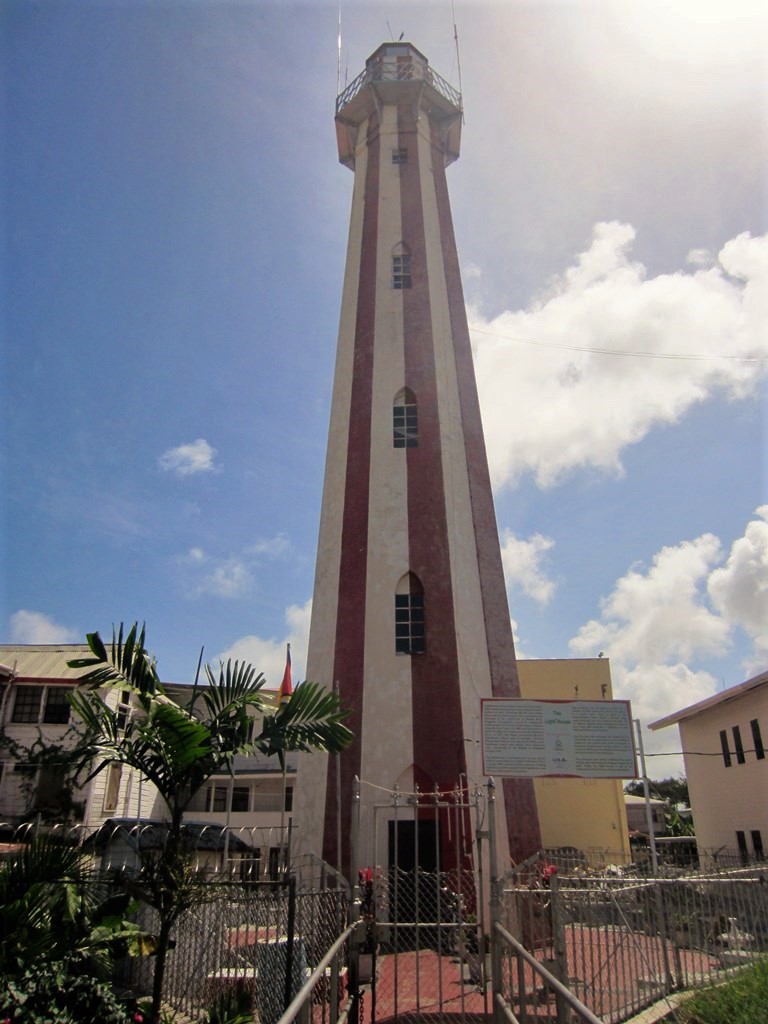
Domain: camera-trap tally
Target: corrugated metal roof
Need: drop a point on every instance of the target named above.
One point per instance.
(43, 661)
(49, 661)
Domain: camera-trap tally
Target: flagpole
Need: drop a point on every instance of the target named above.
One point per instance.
(338, 799)
(282, 822)
(283, 697)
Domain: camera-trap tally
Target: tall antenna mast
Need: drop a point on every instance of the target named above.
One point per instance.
(458, 58)
(338, 62)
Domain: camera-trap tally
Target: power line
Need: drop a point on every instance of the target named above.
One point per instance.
(697, 753)
(665, 753)
(686, 356)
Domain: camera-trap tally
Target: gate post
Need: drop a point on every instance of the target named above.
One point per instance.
(485, 935)
(354, 905)
(494, 906)
(559, 947)
(662, 929)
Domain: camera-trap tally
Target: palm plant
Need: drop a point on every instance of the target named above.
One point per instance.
(179, 746)
(61, 928)
(52, 909)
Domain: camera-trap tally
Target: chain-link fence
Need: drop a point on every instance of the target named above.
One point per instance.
(424, 947)
(618, 940)
(251, 945)
(673, 855)
(621, 943)
(241, 943)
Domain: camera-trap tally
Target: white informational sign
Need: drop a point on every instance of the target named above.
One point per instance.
(530, 739)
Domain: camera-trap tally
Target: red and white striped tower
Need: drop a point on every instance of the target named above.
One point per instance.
(410, 613)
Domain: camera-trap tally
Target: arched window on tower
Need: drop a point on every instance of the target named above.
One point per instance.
(409, 616)
(405, 420)
(401, 266)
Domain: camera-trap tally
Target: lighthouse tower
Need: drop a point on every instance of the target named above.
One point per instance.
(409, 618)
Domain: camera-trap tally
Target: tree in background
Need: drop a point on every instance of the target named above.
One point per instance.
(179, 746)
(674, 790)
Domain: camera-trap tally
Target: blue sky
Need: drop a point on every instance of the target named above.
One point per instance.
(175, 225)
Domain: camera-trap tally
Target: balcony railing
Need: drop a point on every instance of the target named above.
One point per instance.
(386, 71)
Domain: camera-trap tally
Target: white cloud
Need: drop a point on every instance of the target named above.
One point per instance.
(654, 692)
(520, 651)
(221, 577)
(196, 457)
(659, 616)
(36, 628)
(657, 622)
(659, 690)
(231, 576)
(521, 560)
(268, 654)
(650, 625)
(679, 339)
(739, 589)
(272, 546)
(700, 258)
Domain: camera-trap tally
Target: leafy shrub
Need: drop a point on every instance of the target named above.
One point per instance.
(52, 907)
(231, 1007)
(58, 993)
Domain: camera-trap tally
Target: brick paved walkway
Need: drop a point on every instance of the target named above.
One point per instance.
(423, 986)
(609, 969)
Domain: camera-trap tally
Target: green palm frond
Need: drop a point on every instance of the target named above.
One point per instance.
(42, 862)
(164, 746)
(182, 739)
(51, 906)
(126, 663)
(172, 750)
(313, 719)
(238, 685)
(103, 740)
(177, 747)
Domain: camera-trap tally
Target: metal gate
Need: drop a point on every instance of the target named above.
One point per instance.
(420, 944)
(427, 940)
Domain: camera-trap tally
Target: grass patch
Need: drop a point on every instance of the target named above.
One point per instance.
(743, 1000)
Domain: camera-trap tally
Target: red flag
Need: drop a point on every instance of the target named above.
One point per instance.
(286, 686)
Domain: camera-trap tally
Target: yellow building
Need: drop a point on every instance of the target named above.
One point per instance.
(585, 814)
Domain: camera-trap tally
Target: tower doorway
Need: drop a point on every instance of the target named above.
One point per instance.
(413, 845)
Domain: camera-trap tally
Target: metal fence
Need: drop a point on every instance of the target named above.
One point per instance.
(401, 945)
(243, 943)
(327, 973)
(407, 71)
(423, 954)
(421, 944)
(517, 971)
(253, 946)
(675, 855)
(622, 943)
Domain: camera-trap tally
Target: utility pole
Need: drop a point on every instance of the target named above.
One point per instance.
(647, 795)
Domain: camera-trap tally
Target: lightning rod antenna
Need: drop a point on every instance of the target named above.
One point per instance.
(458, 58)
(338, 62)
